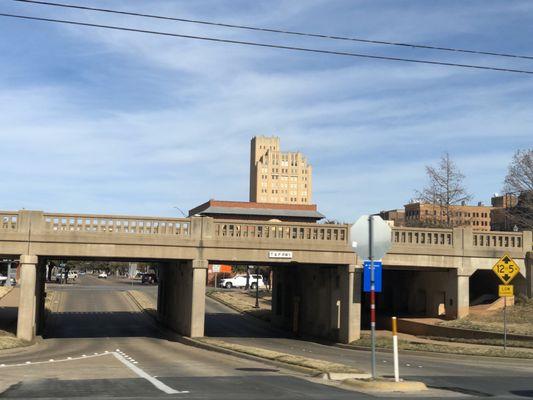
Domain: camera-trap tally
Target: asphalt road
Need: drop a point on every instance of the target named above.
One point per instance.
(95, 317)
(475, 376)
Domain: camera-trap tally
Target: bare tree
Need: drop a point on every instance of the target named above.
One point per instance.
(519, 182)
(445, 187)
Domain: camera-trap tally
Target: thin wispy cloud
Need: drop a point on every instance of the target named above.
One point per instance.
(115, 122)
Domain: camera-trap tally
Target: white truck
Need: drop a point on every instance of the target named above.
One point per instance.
(239, 281)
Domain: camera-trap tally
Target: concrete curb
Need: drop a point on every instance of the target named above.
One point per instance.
(279, 364)
(212, 347)
(385, 385)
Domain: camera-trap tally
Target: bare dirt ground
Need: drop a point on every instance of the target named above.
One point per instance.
(519, 319)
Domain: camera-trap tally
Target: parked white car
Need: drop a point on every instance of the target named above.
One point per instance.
(239, 281)
(102, 275)
(73, 275)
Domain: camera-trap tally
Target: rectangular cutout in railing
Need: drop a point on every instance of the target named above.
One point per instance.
(281, 231)
(116, 225)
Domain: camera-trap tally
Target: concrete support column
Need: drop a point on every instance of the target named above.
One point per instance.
(26, 324)
(350, 293)
(199, 275)
(458, 301)
(181, 303)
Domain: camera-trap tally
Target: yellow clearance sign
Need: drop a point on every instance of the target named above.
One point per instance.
(505, 290)
(506, 269)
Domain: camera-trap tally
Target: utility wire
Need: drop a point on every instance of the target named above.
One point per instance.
(267, 45)
(270, 30)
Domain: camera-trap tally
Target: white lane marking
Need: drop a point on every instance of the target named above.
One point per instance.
(157, 383)
(84, 357)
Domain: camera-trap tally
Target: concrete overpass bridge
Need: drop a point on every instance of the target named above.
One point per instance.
(317, 278)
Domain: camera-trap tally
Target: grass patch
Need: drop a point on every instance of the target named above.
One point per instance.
(386, 343)
(10, 341)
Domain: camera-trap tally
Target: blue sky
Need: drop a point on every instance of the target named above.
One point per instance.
(99, 121)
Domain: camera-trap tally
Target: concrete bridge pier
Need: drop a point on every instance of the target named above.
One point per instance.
(459, 298)
(350, 303)
(181, 297)
(32, 294)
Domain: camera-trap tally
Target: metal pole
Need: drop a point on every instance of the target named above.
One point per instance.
(395, 349)
(372, 296)
(505, 323)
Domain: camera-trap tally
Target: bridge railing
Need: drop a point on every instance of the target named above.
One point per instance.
(243, 230)
(498, 239)
(8, 220)
(117, 224)
(422, 237)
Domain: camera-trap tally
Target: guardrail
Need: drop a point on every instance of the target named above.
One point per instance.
(8, 220)
(239, 230)
(117, 224)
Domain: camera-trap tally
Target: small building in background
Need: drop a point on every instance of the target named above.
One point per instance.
(500, 219)
(247, 210)
(425, 214)
(394, 217)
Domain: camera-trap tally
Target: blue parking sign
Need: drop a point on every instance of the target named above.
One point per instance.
(377, 276)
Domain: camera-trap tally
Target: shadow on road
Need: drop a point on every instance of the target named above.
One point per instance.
(100, 324)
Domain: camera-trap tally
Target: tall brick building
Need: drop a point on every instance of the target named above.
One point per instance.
(276, 176)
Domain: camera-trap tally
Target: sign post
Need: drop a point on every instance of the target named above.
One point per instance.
(372, 296)
(371, 239)
(506, 269)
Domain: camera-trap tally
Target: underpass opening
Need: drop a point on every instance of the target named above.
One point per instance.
(305, 300)
(412, 292)
(89, 298)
